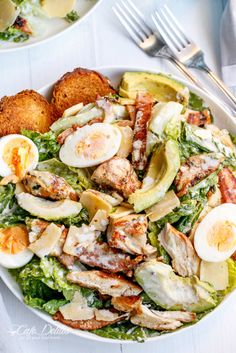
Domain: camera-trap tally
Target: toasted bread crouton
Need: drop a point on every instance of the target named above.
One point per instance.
(80, 85)
(26, 110)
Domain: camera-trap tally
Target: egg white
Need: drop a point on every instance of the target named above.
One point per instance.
(68, 152)
(15, 260)
(5, 170)
(222, 213)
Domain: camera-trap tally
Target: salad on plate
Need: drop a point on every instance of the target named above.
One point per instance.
(23, 19)
(120, 220)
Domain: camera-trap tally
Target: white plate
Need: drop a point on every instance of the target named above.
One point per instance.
(53, 27)
(222, 119)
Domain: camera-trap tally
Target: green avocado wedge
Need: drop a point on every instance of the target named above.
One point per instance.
(163, 167)
(48, 210)
(162, 87)
(173, 292)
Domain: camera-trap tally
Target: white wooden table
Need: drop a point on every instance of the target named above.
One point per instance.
(100, 41)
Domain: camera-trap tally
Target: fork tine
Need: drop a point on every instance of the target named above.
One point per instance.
(174, 29)
(136, 20)
(118, 12)
(169, 39)
(180, 28)
(141, 17)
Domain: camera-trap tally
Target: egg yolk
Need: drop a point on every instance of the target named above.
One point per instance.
(93, 146)
(18, 155)
(222, 236)
(14, 239)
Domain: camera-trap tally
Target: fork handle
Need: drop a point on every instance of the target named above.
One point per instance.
(191, 77)
(220, 84)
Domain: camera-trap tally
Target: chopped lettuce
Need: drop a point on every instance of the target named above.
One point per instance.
(72, 16)
(47, 143)
(76, 177)
(232, 276)
(195, 102)
(10, 212)
(153, 238)
(44, 285)
(12, 34)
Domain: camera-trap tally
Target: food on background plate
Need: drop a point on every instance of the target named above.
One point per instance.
(118, 217)
(20, 20)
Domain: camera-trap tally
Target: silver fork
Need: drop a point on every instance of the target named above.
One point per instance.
(184, 48)
(149, 41)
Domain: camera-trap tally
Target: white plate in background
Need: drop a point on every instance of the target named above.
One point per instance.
(52, 28)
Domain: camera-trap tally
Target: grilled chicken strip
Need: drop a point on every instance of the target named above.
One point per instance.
(129, 234)
(184, 258)
(227, 184)
(101, 255)
(127, 304)
(162, 320)
(106, 283)
(88, 325)
(118, 174)
(144, 103)
(195, 169)
(48, 185)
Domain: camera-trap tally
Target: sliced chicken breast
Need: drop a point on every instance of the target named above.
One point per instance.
(118, 174)
(129, 234)
(185, 260)
(48, 185)
(161, 320)
(194, 170)
(106, 283)
(101, 255)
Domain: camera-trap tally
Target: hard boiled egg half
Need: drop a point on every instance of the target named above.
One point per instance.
(13, 247)
(91, 145)
(18, 155)
(215, 236)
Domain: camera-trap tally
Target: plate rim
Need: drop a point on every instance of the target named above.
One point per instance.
(46, 40)
(86, 334)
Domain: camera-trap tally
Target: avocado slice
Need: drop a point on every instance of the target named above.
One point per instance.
(162, 87)
(163, 167)
(87, 113)
(173, 292)
(49, 210)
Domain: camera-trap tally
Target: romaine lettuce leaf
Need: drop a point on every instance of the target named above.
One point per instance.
(232, 276)
(12, 34)
(47, 144)
(44, 285)
(10, 212)
(76, 177)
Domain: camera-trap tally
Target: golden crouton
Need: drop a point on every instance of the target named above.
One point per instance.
(80, 85)
(26, 110)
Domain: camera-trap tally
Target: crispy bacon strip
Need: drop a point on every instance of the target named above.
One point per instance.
(199, 118)
(22, 25)
(227, 184)
(195, 169)
(91, 324)
(144, 103)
